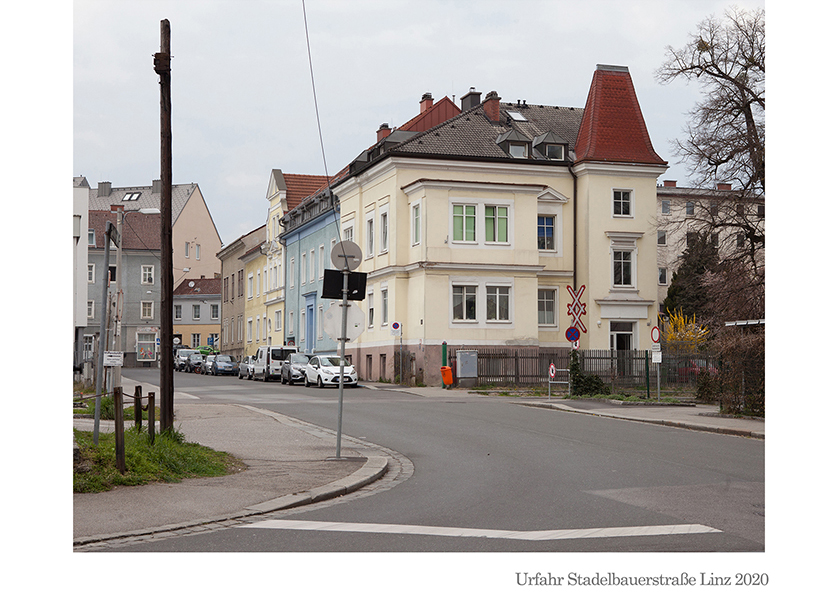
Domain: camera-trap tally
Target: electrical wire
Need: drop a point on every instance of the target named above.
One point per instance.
(318, 122)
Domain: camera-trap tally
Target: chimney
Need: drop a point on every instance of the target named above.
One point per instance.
(470, 99)
(156, 186)
(669, 183)
(104, 189)
(723, 186)
(491, 106)
(426, 103)
(383, 131)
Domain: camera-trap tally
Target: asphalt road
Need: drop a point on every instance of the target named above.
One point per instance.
(489, 475)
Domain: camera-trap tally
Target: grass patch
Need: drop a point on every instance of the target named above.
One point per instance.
(170, 459)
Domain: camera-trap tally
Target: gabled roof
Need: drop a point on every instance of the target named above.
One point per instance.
(140, 231)
(440, 112)
(148, 197)
(471, 134)
(199, 286)
(613, 128)
(300, 186)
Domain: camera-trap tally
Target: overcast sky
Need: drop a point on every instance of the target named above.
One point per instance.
(242, 95)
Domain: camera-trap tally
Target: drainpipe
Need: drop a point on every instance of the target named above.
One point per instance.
(571, 170)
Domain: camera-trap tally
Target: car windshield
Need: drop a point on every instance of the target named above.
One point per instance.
(196, 357)
(226, 358)
(332, 361)
(299, 359)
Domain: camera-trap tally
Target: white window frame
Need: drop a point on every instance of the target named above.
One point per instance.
(464, 216)
(151, 314)
(622, 215)
(370, 235)
(186, 250)
(662, 276)
(303, 268)
(665, 206)
(384, 229)
(292, 272)
(198, 252)
(195, 338)
(661, 238)
(196, 311)
(147, 274)
(90, 308)
(630, 261)
(496, 218)
(214, 311)
(416, 224)
(554, 231)
(371, 311)
(509, 305)
(321, 261)
(311, 265)
(555, 305)
(90, 273)
(385, 306)
(464, 297)
(249, 330)
(178, 312)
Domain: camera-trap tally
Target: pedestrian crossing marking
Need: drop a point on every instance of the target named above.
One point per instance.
(440, 531)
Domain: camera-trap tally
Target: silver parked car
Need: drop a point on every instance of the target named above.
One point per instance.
(292, 369)
(245, 368)
(207, 366)
(323, 370)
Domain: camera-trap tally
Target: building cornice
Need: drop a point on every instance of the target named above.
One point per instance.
(613, 168)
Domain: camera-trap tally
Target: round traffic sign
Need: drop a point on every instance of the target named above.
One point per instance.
(655, 334)
(346, 255)
(572, 334)
(552, 371)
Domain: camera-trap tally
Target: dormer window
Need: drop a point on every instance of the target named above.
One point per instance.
(551, 146)
(515, 144)
(555, 152)
(518, 150)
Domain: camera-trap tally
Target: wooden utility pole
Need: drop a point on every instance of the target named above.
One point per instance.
(163, 69)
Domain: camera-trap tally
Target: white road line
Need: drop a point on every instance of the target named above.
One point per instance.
(535, 535)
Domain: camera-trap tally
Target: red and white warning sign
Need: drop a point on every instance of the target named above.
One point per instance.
(552, 371)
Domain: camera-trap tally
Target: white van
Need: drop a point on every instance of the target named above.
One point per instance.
(268, 360)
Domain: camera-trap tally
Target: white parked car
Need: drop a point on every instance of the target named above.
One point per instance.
(323, 370)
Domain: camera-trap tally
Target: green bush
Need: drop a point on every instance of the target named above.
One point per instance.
(585, 385)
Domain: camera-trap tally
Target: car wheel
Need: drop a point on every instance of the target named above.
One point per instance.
(306, 381)
(319, 383)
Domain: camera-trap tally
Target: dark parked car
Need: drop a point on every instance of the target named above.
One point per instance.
(245, 368)
(224, 364)
(194, 362)
(292, 368)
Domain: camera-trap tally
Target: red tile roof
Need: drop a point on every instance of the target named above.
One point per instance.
(200, 286)
(140, 231)
(613, 128)
(300, 186)
(440, 112)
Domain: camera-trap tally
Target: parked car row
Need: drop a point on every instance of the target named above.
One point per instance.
(271, 362)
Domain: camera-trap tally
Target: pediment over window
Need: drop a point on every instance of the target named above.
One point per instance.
(552, 196)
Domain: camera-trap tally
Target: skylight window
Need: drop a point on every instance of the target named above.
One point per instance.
(516, 116)
(131, 197)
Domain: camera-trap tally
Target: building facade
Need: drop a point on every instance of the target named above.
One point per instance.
(196, 313)
(473, 230)
(140, 283)
(233, 298)
(310, 232)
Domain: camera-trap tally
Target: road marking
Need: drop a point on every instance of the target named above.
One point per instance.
(529, 535)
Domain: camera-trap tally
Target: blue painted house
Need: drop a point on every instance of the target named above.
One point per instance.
(309, 233)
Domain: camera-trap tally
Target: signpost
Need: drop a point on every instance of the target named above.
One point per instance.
(656, 355)
(346, 257)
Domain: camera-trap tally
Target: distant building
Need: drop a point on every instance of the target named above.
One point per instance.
(196, 312)
(233, 259)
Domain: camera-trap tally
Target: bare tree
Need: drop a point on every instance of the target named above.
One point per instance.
(725, 137)
(724, 144)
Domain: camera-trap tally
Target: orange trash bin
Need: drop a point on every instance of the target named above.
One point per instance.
(447, 376)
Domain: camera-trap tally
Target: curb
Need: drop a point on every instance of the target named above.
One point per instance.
(679, 425)
(374, 468)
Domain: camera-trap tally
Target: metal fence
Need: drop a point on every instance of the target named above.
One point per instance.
(625, 369)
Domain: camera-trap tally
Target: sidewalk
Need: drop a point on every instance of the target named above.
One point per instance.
(695, 417)
(292, 463)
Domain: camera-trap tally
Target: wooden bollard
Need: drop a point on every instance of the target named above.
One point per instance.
(151, 418)
(138, 408)
(120, 450)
